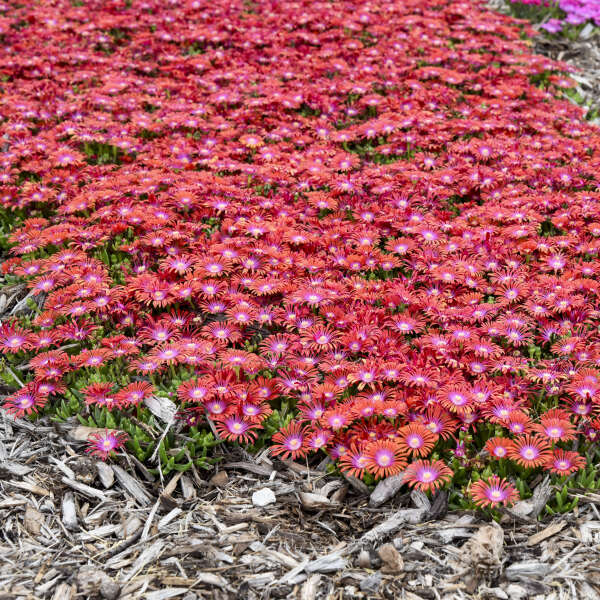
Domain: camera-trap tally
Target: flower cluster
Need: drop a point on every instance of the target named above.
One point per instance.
(366, 210)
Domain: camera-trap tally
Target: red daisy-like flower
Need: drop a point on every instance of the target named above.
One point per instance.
(427, 475)
(385, 458)
(564, 462)
(103, 443)
(236, 428)
(320, 338)
(530, 451)
(26, 401)
(354, 462)
(555, 426)
(499, 447)
(416, 439)
(101, 394)
(13, 339)
(133, 394)
(493, 492)
(291, 441)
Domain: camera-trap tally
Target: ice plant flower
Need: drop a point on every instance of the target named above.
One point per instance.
(354, 462)
(26, 401)
(529, 451)
(564, 462)
(499, 447)
(385, 458)
(493, 492)
(290, 442)
(426, 475)
(13, 339)
(416, 439)
(104, 443)
(235, 428)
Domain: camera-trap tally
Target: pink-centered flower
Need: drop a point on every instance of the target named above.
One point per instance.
(103, 443)
(493, 492)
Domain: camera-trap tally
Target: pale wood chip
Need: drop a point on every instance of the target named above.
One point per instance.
(10, 467)
(30, 487)
(310, 587)
(150, 554)
(188, 490)
(211, 579)
(64, 591)
(106, 474)
(166, 593)
(33, 520)
(549, 531)
(69, 511)
(66, 470)
(84, 489)
(131, 485)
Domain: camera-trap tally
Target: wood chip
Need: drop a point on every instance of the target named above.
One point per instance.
(327, 564)
(525, 569)
(168, 518)
(148, 523)
(551, 530)
(131, 526)
(9, 467)
(315, 501)
(390, 526)
(392, 561)
(12, 502)
(310, 587)
(170, 487)
(188, 490)
(33, 520)
(211, 579)
(106, 474)
(30, 487)
(250, 467)
(150, 554)
(84, 489)
(358, 485)
(69, 512)
(64, 591)
(162, 408)
(385, 490)
(60, 465)
(533, 506)
(132, 486)
(219, 479)
(166, 593)
(99, 532)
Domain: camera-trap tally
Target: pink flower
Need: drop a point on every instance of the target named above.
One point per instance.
(103, 443)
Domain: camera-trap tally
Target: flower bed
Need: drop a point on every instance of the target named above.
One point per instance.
(364, 230)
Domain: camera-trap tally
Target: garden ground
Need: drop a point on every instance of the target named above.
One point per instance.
(77, 527)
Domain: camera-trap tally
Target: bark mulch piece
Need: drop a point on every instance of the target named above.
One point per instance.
(73, 527)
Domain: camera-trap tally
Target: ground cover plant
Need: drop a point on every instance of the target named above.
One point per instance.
(362, 230)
